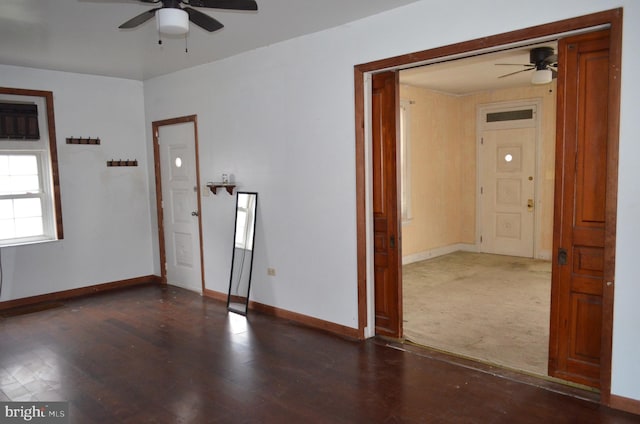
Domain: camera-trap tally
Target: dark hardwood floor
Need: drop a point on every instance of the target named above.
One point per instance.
(166, 355)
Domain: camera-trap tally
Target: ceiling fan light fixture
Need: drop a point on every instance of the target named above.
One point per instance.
(172, 21)
(542, 76)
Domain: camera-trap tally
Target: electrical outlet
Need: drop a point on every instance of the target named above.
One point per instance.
(271, 272)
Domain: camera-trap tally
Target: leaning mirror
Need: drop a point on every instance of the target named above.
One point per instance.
(242, 257)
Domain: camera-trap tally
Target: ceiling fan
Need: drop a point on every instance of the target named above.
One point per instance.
(172, 18)
(544, 63)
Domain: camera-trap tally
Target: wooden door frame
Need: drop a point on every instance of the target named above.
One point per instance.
(158, 180)
(612, 19)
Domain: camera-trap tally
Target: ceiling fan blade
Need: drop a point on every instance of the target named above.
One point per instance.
(224, 4)
(202, 20)
(140, 19)
(517, 72)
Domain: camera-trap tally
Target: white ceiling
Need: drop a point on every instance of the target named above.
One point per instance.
(475, 73)
(83, 35)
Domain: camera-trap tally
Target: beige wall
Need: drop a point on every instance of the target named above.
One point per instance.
(435, 160)
(443, 166)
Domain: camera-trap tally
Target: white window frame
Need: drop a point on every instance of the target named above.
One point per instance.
(405, 160)
(42, 150)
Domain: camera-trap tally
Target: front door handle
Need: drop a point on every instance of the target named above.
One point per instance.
(530, 205)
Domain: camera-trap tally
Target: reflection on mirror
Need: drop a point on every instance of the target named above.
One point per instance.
(242, 258)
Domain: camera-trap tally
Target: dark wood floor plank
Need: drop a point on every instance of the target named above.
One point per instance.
(166, 355)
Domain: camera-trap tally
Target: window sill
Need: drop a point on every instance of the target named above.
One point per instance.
(24, 242)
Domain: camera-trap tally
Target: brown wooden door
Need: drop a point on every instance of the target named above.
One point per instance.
(575, 343)
(387, 266)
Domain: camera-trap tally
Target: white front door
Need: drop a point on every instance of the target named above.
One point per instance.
(177, 151)
(507, 174)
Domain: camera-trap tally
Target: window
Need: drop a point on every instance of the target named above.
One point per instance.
(405, 174)
(29, 188)
(511, 115)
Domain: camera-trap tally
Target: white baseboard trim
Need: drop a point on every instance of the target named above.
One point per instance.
(438, 251)
(544, 255)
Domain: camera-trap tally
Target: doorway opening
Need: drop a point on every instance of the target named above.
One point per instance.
(477, 220)
(597, 36)
(177, 176)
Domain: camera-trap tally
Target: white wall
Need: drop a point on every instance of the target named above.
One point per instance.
(281, 119)
(306, 207)
(106, 215)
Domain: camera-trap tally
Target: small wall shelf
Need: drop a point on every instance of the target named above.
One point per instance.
(215, 186)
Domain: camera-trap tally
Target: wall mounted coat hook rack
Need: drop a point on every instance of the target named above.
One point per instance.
(122, 162)
(82, 140)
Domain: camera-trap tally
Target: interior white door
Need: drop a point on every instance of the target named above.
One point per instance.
(507, 189)
(176, 144)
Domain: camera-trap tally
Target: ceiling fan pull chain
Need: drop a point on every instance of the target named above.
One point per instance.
(186, 44)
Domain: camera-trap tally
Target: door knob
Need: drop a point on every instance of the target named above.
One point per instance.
(194, 213)
(530, 204)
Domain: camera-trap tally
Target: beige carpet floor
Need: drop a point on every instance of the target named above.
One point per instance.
(492, 308)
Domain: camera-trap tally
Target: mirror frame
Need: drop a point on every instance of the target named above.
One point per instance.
(230, 305)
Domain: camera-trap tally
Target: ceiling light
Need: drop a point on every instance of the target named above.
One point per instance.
(172, 21)
(542, 76)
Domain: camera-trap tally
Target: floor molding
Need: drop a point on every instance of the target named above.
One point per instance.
(625, 404)
(222, 297)
(82, 291)
(320, 324)
(438, 251)
(309, 321)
